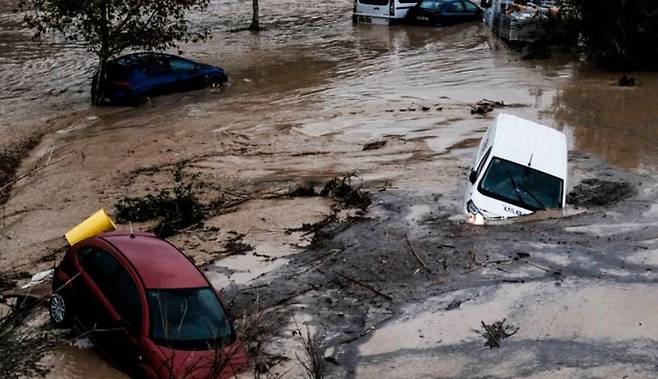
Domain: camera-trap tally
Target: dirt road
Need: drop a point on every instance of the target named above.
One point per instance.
(305, 96)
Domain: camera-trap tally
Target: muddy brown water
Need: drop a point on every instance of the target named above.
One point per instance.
(305, 95)
(313, 57)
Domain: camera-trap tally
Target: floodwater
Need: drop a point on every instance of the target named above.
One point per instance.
(314, 60)
(305, 95)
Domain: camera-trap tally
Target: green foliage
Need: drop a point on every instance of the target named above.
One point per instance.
(343, 191)
(619, 34)
(109, 27)
(561, 28)
(176, 208)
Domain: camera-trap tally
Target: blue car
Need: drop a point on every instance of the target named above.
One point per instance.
(135, 77)
(443, 12)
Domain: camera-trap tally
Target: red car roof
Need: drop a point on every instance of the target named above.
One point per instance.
(158, 263)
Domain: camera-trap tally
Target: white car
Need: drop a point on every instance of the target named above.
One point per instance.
(381, 12)
(520, 168)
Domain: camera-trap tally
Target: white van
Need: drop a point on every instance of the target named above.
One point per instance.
(381, 12)
(520, 168)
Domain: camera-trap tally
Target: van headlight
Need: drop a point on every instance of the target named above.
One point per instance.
(472, 209)
(475, 216)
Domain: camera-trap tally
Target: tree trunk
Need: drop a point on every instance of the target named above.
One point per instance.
(254, 17)
(99, 82)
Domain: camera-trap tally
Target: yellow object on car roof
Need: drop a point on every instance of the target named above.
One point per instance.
(94, 225)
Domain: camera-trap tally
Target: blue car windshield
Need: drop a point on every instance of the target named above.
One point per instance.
(187, 318)
(521, 185)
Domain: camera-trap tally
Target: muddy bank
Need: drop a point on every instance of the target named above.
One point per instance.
(10, 159)
(404, 286)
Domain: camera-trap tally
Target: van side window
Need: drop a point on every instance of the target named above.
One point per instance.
(484, 159)
(407, 1)
(374, 2)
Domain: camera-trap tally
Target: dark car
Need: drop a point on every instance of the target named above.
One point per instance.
(146, 307)
(134, 77)
(443, 12)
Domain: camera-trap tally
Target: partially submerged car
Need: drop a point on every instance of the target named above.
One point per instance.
(381, 12)
(146, 307)
(520, 168)
(443, 12)
(135, 77)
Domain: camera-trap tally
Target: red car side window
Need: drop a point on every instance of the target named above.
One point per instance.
(100, 266)
(115, 282)
(125, 298)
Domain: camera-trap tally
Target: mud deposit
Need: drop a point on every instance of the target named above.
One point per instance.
(393, 282)
(596, 193)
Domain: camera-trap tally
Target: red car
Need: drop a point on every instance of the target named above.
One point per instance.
(147, 308)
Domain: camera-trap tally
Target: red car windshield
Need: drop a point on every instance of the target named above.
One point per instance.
(188, 319)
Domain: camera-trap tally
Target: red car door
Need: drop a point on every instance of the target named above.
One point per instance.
(103, 279)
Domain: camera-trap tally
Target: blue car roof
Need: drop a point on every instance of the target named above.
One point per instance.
(137, 58)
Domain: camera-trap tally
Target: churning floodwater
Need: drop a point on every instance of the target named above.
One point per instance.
(313, 54)
(312, 73)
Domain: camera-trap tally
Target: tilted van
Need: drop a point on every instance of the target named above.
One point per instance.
(520, 168)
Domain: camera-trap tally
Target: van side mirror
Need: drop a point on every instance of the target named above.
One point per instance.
(472, 177)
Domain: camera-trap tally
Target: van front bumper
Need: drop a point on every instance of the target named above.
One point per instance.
(364, 18)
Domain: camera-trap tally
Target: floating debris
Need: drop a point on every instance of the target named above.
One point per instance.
(455, 304)
(626, 80)
(344, 192)
(485, 106)
(237, 246)
(496, 332)
(374, 145)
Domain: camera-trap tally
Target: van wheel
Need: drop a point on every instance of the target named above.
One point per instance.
(60, 310)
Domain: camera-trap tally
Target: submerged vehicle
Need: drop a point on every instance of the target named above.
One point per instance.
(146, 307)
(515, 23)
(519, 168)
(381, 12)
(134, 77)
(443, 12)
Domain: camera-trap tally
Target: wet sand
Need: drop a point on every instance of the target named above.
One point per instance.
(305, 96)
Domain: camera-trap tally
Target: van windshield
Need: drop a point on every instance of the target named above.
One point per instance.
(187, 318)
(521, 185)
